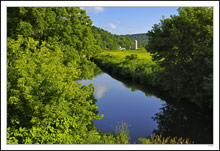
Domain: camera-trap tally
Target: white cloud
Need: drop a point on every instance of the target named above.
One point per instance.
(100, 91)
(94, 10)
(112, 26)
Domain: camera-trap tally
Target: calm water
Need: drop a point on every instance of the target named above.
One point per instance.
(119, 103)
(145, 113)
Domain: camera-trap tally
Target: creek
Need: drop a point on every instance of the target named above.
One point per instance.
(146, 111)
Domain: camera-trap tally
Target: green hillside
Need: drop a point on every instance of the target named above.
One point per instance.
(141, 38)
(109, 41)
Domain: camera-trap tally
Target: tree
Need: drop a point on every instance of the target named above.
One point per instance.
(69, 26)
(45, 104)
(183, 46)
(47, 52)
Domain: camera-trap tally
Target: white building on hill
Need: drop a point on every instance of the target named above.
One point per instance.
(135, 45)
(119, 48)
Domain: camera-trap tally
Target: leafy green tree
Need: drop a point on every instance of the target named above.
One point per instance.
(45, 105)
(69, 26)
(183, 46)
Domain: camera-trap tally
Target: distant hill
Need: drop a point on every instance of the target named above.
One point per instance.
(141, 38)
(108, 41)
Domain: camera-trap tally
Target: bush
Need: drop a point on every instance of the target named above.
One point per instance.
(131, 57)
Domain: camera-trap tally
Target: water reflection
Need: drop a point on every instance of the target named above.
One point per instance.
(119, 103)
(177, 118)
(100, 91)
(143, 108)
(184, 122)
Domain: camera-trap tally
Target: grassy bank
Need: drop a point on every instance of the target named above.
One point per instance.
(135, 65)
(120, 55)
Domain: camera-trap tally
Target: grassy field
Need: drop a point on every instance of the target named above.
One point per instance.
(119, 55)
(135, 65)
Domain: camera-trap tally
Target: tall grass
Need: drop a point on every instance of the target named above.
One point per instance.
(122, 133)
(159, 139)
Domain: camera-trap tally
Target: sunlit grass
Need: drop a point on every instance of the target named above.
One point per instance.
(119, 55)
(159, 139)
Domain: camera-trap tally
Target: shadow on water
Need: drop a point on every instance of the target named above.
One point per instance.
(176, 118)
(184, 122)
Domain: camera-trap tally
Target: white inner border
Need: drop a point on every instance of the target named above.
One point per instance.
(5, 4)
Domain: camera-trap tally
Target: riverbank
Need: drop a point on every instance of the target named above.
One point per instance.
(179, 117)
(131, 65)
(137, 66)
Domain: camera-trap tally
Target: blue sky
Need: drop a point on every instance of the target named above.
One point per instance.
(128, 20)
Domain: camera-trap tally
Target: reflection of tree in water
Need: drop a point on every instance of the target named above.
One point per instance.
(184, 122)
(177, 118)
(134, 85)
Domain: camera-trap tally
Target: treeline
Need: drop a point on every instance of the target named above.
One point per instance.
(141, 38)
(109, 41)
(47, 51)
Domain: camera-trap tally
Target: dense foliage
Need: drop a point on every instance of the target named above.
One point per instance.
(141, 38)
(109, 41)
(45, 105)
(47, 51)
(183, 46)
